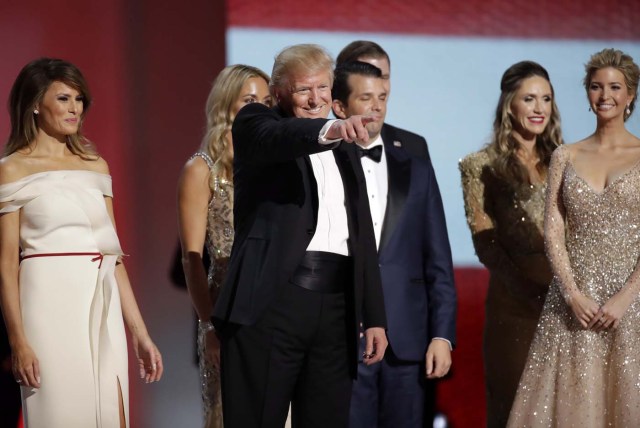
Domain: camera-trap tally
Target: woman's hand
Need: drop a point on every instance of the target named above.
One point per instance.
(583, 308)
(212, 348)
(149, 359)
(609, 315)
(25, 366)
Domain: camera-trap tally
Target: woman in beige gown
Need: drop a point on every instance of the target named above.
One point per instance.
(63, 288)
(205, 215)
(583, 369)
(504, 188)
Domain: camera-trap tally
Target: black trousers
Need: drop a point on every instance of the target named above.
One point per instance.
(297, 353)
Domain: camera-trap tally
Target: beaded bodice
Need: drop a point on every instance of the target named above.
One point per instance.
(506, 220)
(576, 376)
(219, 222)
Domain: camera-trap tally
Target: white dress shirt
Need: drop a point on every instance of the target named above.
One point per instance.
(376, 176)
(332, 229)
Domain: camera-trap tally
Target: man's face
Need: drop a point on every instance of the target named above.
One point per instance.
(383, 64)
(308, 95)
(367, 96)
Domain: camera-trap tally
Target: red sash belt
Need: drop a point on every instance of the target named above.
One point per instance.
(97, 256)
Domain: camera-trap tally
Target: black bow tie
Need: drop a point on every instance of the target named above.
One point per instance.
(374, 153)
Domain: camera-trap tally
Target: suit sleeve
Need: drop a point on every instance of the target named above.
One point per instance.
(260, 136)
(438, 265)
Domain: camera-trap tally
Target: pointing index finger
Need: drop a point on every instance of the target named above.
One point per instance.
(368, 118)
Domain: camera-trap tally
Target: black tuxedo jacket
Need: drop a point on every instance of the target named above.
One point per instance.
(275, 215)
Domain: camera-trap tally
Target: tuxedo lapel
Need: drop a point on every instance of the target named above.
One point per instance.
(345, 156)
(399, 178)
(310, 184)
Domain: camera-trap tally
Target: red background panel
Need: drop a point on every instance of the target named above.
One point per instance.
(87, 34)
(543, 19)
(149, 66)
(460, 396)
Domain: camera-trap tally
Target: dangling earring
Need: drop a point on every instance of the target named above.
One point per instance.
(589, 108)
(628, 111)
(36, 111)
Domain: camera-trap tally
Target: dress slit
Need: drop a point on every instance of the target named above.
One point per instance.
(123, 417)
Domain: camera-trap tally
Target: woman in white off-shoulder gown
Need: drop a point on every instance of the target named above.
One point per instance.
(63, 289)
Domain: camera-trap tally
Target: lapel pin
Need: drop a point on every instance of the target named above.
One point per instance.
(397, 143)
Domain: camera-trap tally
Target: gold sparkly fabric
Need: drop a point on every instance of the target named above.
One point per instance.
(576, 377)
(506, 222)
(218, 241)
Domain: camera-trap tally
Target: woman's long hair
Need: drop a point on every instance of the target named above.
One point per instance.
(224, 94)
(28, 90)
(503, 146)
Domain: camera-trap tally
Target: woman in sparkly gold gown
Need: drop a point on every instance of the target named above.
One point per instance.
(205, 215)
(583, 369)
(504, 189)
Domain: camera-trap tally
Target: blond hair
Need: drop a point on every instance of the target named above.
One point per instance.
(222, 97)
(620, 61)
(299, 59)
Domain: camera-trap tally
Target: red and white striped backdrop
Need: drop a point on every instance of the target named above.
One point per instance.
(447, 59)
(545, 19)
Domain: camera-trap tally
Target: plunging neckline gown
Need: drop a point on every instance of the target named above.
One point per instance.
(576, 377)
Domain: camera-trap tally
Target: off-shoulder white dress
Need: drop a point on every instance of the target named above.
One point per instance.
(69, 298)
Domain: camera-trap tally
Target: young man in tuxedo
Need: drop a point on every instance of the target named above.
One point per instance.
(372, 53)
(303, 271)
(414, 260)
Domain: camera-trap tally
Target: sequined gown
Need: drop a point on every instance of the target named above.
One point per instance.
(506, 223)
(218, 241)
(576, 377)
(69, 299)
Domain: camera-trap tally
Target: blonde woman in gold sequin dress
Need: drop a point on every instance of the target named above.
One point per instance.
(205, 215)
(504, 189)
(584, 366)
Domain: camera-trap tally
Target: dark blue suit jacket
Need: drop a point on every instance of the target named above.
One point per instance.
(414, 253)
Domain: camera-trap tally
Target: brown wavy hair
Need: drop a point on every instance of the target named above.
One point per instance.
(503, 146)
(27, 91)
(622, 62)
(223, 95)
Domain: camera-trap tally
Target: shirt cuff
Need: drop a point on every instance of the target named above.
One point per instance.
(446, 340)
(323, 132)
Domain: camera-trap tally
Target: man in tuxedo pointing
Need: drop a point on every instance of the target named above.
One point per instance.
(303, 271)
(414, 261)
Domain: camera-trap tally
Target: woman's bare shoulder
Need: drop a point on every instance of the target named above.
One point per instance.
(98, 164)
(195, 176)
(196, 166)
(13, 167)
